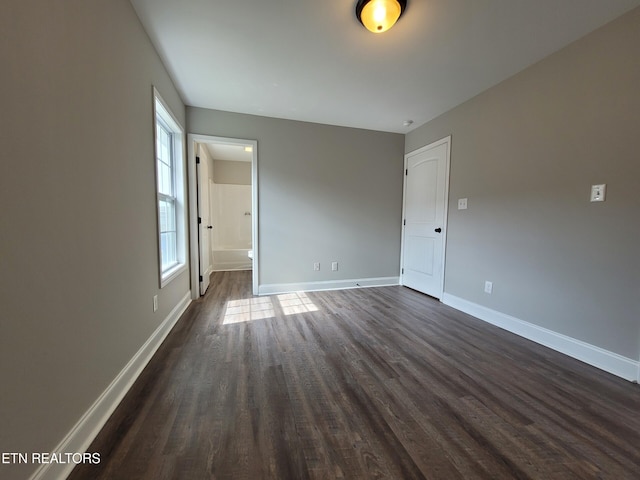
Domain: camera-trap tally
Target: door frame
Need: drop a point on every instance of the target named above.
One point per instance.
(194, 251)
(447, 141)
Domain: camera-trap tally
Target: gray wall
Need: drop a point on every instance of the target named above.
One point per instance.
(235, 173)
(525, 154)
(78, 245)
(326, 194)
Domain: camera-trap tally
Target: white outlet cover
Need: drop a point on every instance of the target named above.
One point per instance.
(488, 287)
(462, 204)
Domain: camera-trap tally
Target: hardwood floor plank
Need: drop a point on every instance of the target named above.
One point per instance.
(361, 384)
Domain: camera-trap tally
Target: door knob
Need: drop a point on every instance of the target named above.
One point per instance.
(438, 230)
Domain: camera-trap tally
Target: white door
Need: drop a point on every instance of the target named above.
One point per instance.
(425, 212)
(204, 222)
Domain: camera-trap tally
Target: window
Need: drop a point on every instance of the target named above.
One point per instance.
(170, 192)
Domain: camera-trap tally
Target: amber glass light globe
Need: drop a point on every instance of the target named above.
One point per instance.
(379, 15)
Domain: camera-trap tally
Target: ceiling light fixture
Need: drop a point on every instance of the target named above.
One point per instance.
(378, 16)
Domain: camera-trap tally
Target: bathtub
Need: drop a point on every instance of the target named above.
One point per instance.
(232, 259)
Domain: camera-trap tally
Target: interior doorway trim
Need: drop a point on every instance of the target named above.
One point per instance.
(194, 255)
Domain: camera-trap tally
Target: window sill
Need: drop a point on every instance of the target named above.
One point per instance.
(171, 274)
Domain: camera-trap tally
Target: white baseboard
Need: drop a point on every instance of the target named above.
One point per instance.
(598, 357)
(85, 431)
(276, 288)
(231, 267)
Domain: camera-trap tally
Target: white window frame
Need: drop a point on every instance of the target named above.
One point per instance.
(162, 116)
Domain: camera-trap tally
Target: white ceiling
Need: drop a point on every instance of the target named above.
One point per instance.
(312, 61)
(230, 153)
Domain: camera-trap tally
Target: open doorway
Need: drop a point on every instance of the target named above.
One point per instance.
(223, 204)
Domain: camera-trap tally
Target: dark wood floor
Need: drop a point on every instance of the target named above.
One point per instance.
(362, 384)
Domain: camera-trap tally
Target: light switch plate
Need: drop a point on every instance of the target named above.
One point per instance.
(598, 192)
(462, 204)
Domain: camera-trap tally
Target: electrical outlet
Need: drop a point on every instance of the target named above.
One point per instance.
(316, 266)
(334, 266)
(462, 204)
(155, 303)
(488, 287)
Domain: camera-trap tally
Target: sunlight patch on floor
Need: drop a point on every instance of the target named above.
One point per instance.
(248, 309)
(297, 302)
(259, 308)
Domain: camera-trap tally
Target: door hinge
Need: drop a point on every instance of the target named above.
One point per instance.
(404, 222)
(402, 271)
(406, 172)
(199, 220)
(200, 277)
(197, 160)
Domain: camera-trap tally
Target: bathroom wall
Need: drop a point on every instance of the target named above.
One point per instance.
(237, 173)
(231, 216)
(231, 206)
